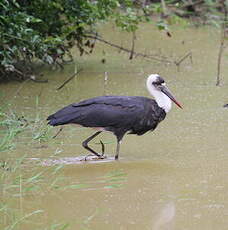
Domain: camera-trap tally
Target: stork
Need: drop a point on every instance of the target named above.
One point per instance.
(119, 114)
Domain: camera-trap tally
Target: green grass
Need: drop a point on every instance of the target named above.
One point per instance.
(10, 127)
(21, 178)
(18, 180)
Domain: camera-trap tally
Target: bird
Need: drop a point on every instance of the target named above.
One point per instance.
(119, 114)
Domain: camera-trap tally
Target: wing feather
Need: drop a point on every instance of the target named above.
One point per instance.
(137, 114)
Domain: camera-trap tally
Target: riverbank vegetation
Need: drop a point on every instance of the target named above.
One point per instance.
(19, 180)
(45, 31)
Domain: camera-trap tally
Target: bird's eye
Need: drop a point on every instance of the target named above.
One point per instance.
(156, 83)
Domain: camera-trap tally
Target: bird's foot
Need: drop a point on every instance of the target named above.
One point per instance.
(93, 157)
(102, 157)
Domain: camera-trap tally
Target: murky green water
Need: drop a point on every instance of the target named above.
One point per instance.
(173, 178)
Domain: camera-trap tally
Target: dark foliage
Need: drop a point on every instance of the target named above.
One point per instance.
(46, 30)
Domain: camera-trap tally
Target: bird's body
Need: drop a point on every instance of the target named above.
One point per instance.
(117, 114)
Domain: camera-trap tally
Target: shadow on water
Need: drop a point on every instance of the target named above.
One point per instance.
(173, 178)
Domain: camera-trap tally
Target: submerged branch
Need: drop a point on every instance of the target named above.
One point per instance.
(69, 79)
(60, 130)
(177, 63)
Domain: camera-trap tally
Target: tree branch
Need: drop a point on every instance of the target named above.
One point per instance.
(136, 54)
(222, 42)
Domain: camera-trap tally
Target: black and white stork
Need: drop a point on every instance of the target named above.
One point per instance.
(119, 114)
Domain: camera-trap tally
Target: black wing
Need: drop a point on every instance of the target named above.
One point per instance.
(97, 112)
(137, 114)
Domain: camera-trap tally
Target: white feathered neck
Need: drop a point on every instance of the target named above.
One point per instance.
(163, 101)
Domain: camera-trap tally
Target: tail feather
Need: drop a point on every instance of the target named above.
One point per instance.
(59, 120)
(53, 122)
(65, 116)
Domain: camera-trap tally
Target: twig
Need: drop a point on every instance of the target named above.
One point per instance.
(133, 45)
(221, 48)
(69, 79)
(222, 42)
(58, 132)
(129, 51)
(177, 63)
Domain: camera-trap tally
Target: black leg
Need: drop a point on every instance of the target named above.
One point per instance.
(102, 148)
(117, 150)
(119, 137)
(85, 144)
(119, 140)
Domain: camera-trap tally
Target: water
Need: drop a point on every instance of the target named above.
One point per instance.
(173, 178)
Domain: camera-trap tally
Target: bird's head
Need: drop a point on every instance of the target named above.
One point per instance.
(157, 87)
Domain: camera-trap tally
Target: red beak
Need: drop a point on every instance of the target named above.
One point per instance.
(166, 91)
